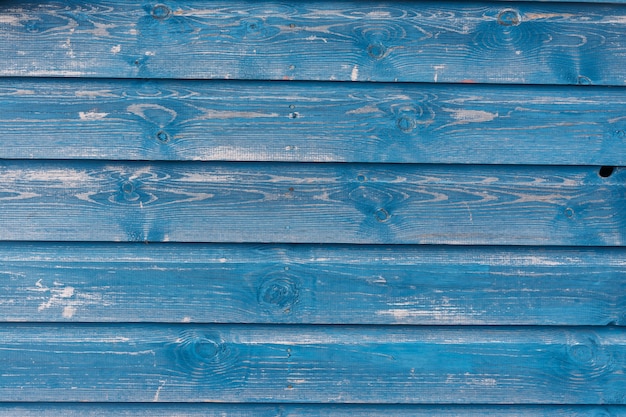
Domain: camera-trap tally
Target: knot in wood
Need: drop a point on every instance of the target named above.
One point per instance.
(509, 17)
(278, 291)
(160, 12)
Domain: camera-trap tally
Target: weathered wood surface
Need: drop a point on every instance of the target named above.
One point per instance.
(311, 203)
(312, 122)
(300, 410)
(523, 43)
(312, 284)
(441, 289)
(336, 364)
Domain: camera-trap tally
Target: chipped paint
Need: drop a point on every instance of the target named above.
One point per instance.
(92, 115)
(354, 76)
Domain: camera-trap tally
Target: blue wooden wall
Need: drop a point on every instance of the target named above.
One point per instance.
(320, 208)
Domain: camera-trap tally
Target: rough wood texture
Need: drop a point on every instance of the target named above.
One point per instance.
(312, 284)
(528, 43)
(312, 122)
(340, 364)
(300, 410)
(197, 211)
(311, 203)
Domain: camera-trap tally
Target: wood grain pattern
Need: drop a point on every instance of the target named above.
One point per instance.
(312, 122)
(522, 43)
(312, 284)
(310, 203)
(338, 364)
(299, 410)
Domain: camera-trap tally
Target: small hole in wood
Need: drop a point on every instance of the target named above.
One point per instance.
(606, 171)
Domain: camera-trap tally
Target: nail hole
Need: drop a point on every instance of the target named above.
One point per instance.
(606, 171)
(294, 115)
(569, 212)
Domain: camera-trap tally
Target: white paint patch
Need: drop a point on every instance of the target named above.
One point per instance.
(186, 319)
(463, 116)
(315, 38)
(438, 68)
(68, 312)
(365, 110)
(67, 292)
(400, 314)
(57, 297)
(158, 391)
(355, 73)
(92, 115)
(10, 20)
(40, 73)
(140, 109)
(541, 261)
(217, 114)
(614, 19)
(94, 93)
(68, 45)
(102, 29)
(116, 49)
(23, 93)
(378, 14)
(150, 53)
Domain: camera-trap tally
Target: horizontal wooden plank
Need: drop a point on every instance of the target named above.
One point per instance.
(298, 410)
(312, 122)
(311, 284)
(313, 364)
(311, 203)
(529, 43)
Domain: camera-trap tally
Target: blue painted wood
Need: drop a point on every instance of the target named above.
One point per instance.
(299, 410)
(304, 329)
(312, 122)
(311, 203)
(337, 364)
(311, 284)
(522, 43)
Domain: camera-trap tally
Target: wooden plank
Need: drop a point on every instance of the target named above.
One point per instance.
(298, 410)
(310, 203)
(529, 43)
(312, 284)
(337, 364)
(312, 122)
